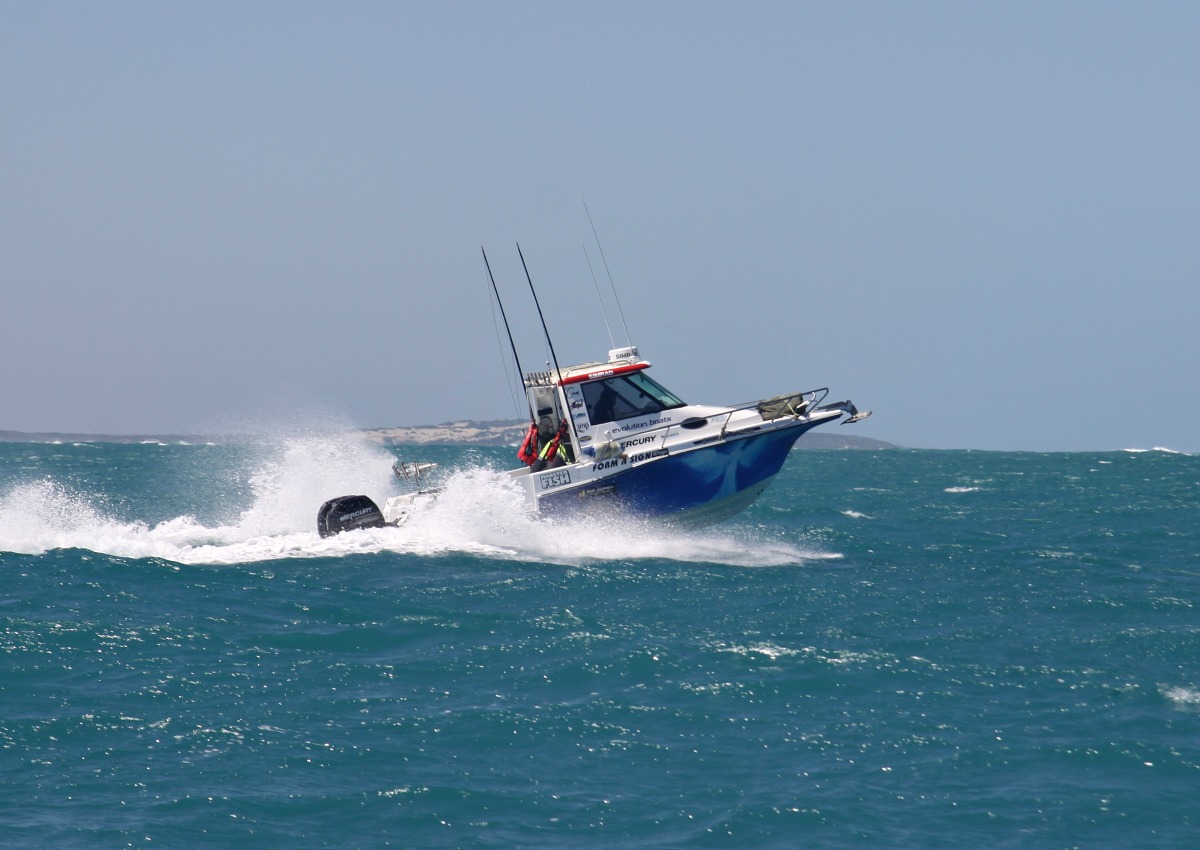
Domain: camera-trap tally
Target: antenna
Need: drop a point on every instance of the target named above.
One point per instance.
(612, 285)
(545, 331)
(516, 359)
(596, 284)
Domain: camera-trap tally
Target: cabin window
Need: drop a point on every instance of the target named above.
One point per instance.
(625, 397)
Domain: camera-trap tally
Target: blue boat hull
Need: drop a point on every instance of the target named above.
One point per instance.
(705, 484)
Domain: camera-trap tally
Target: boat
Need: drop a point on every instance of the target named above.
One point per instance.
(605, 438)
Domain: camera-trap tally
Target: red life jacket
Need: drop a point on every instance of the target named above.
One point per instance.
(528, 452)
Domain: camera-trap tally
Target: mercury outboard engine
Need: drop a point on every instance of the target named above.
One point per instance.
(346, 513)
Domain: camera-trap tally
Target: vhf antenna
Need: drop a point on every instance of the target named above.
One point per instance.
(596, 284)
(612, 285)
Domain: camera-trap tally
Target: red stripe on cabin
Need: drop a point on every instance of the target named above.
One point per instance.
(605, 373)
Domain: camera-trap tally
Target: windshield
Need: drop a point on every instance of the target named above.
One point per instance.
(625, 397)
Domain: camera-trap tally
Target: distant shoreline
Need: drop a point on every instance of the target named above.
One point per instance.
(460, 433)
(53, 437)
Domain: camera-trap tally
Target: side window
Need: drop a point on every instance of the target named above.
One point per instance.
(602, 401)
(624, 397)
(651, 390)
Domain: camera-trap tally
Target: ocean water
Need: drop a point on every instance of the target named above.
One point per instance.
(900, 649)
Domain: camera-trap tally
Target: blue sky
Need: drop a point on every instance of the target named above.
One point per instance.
(980, 220)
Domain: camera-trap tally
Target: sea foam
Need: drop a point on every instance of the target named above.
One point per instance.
(479, 511)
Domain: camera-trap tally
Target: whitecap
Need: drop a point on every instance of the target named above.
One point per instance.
(1181, 696)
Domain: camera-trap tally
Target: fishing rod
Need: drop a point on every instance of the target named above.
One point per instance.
(546, 331)
(538, 304)
(513, 345)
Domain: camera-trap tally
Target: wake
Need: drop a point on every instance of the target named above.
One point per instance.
(478, 513)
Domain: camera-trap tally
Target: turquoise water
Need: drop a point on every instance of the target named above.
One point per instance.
(908, 649)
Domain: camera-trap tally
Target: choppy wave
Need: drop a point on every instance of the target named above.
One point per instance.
(1018, 661)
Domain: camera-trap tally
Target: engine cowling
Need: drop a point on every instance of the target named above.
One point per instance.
(347, 513)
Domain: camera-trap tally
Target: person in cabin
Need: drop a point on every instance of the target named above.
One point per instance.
(554, 447)
(605, 409)
(541, 432)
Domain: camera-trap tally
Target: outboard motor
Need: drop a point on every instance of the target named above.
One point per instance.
(346, 513)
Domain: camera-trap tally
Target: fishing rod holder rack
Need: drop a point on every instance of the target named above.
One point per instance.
(541, 379)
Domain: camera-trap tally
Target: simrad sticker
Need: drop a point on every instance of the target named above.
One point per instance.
(550, 480)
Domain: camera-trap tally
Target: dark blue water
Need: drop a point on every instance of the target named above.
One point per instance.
(908, 649)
